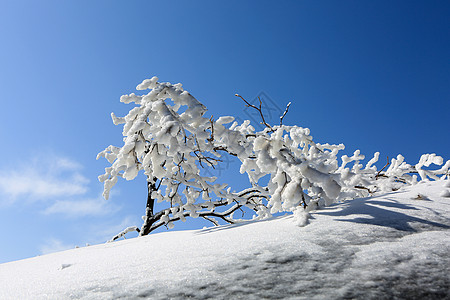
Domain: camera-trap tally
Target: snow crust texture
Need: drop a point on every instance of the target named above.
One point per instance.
(395, 246)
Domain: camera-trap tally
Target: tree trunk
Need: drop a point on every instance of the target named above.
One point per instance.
(149, 213)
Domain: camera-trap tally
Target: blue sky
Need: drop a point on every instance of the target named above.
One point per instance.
(372, 75)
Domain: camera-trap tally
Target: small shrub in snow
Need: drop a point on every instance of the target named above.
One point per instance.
(172, 141)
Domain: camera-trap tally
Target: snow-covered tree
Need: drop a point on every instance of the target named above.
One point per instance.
(170, 141)
(168, 138)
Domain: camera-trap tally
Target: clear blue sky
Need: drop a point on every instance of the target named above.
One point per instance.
(374, 75)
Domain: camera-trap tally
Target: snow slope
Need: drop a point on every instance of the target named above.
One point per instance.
(393, 246)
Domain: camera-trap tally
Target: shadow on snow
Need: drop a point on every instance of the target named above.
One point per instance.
(379, 214)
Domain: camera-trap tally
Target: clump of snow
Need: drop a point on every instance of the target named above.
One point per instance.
(445, 193)
(385, 247)
(301, 217)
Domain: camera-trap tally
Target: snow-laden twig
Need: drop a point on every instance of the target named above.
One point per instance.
(123, 233)
(284, 114)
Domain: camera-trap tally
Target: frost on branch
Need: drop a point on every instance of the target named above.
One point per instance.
(168, 138)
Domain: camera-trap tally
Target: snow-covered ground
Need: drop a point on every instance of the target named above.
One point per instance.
(393, 246)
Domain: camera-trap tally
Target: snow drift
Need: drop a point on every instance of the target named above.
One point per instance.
(392, 246)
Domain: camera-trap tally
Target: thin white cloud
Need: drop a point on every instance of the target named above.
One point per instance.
(62, 163)
(54, 186)
(54, 245)
(82, 207)
(42, 179)
(34, 187)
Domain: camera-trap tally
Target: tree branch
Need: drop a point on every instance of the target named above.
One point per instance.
(379, 172)
(211, 220)
(259, 109)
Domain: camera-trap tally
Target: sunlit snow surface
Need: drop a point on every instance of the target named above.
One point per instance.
(393, 246)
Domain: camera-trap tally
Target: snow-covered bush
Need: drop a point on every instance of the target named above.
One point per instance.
(168, 138)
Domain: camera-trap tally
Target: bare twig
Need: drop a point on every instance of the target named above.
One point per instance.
(259, 109)
(304, 201)
(363, 188)
(198, 152)
(379, 172)
(221, 148)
